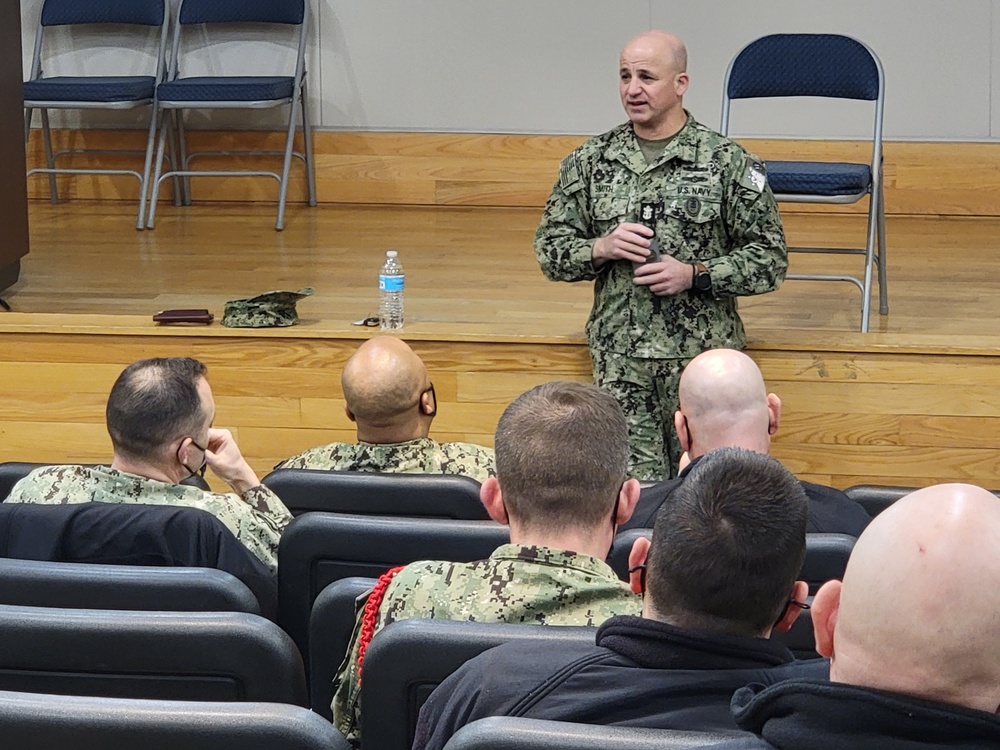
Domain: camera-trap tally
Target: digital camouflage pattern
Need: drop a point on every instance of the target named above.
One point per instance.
(647, 392)
(268, 310)
(716, 209)
(713, 206)
(420, 456)
(531, 585)
(256, 518)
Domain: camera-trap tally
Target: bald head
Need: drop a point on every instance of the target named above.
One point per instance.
(383, 381)
(723, 402)
(660, 45)
(919, 608)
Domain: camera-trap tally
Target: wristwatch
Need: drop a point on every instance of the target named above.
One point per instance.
(701, 280)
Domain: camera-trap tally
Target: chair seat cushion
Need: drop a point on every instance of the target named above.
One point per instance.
(226, 89)
(89, 89)
(818, 178)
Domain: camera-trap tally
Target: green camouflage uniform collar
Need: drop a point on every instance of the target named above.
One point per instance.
(623, 147)
(555, 557)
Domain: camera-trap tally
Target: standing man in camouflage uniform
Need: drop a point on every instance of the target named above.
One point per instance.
(390, 397)
(159, 416)
(673, 221)
(563, 508)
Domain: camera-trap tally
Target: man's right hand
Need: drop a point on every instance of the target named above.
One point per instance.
(627, 241)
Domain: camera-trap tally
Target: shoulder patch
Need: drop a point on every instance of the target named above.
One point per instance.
(569, 174)
(755, 177)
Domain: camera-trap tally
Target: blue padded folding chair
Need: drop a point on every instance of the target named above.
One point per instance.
(93, 91)
(832, 66)
(179, 93)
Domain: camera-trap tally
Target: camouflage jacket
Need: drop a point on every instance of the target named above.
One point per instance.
(532, 585)
(420, 456)
(713, 206)
(256, 518)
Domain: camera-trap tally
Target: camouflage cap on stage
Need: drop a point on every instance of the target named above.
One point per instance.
(271, 309)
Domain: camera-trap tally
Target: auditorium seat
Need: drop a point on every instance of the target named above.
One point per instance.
(33, 721)
(214, 656)
(132, 534)
(319, 548)
(515, 733)
(331, 625)
(370, 493)
(407, 660)
(36, 583)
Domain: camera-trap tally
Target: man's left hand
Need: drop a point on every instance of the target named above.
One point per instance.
(667, 277)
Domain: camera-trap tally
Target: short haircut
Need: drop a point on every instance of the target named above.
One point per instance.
(561, 456)
(728, 544)
(153, 402)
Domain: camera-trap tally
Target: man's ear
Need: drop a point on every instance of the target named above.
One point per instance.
(681, 83)
(349, 413)
(428, 404)
(825, 611)
(636, 557)
(492, 499)
(628, 496)
(184, 447)
(681, 428)
(773, 413)
(800, 592)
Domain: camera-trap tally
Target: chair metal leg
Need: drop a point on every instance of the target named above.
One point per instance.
(163, 124)
(28, 112)
(307, 146)
(883, 288)
(182, 146)
(866, 301)
(170, 123)
(50, 161)
(144, 185)
(286, 167)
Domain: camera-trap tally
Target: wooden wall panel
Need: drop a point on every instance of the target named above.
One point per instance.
(891, 417)
(921, 178)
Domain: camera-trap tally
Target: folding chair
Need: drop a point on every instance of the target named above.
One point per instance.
(179, 93)
(832, 66)
(118, 92)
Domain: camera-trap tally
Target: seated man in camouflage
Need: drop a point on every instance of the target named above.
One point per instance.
(390, 397)
(159, 416)
(562, 452)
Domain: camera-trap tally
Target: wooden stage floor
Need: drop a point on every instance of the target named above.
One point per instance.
(912, 402)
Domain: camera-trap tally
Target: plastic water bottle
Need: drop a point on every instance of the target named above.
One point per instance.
(390, 288)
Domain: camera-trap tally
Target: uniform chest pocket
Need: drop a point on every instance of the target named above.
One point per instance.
(608, 208)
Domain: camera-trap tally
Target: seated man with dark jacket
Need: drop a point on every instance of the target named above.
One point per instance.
(717, 578)
(724, 402)
(911, 633)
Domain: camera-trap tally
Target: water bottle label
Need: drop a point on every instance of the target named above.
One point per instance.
(390, 283)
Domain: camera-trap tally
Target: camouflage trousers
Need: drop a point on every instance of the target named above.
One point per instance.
(647, 392)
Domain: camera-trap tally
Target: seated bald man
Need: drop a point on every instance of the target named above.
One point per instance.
(911, 634)
(390, 397)
(724, 402)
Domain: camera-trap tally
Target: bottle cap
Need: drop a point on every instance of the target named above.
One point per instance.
(390, 253)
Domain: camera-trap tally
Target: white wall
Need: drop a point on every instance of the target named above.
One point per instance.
(550, 66)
